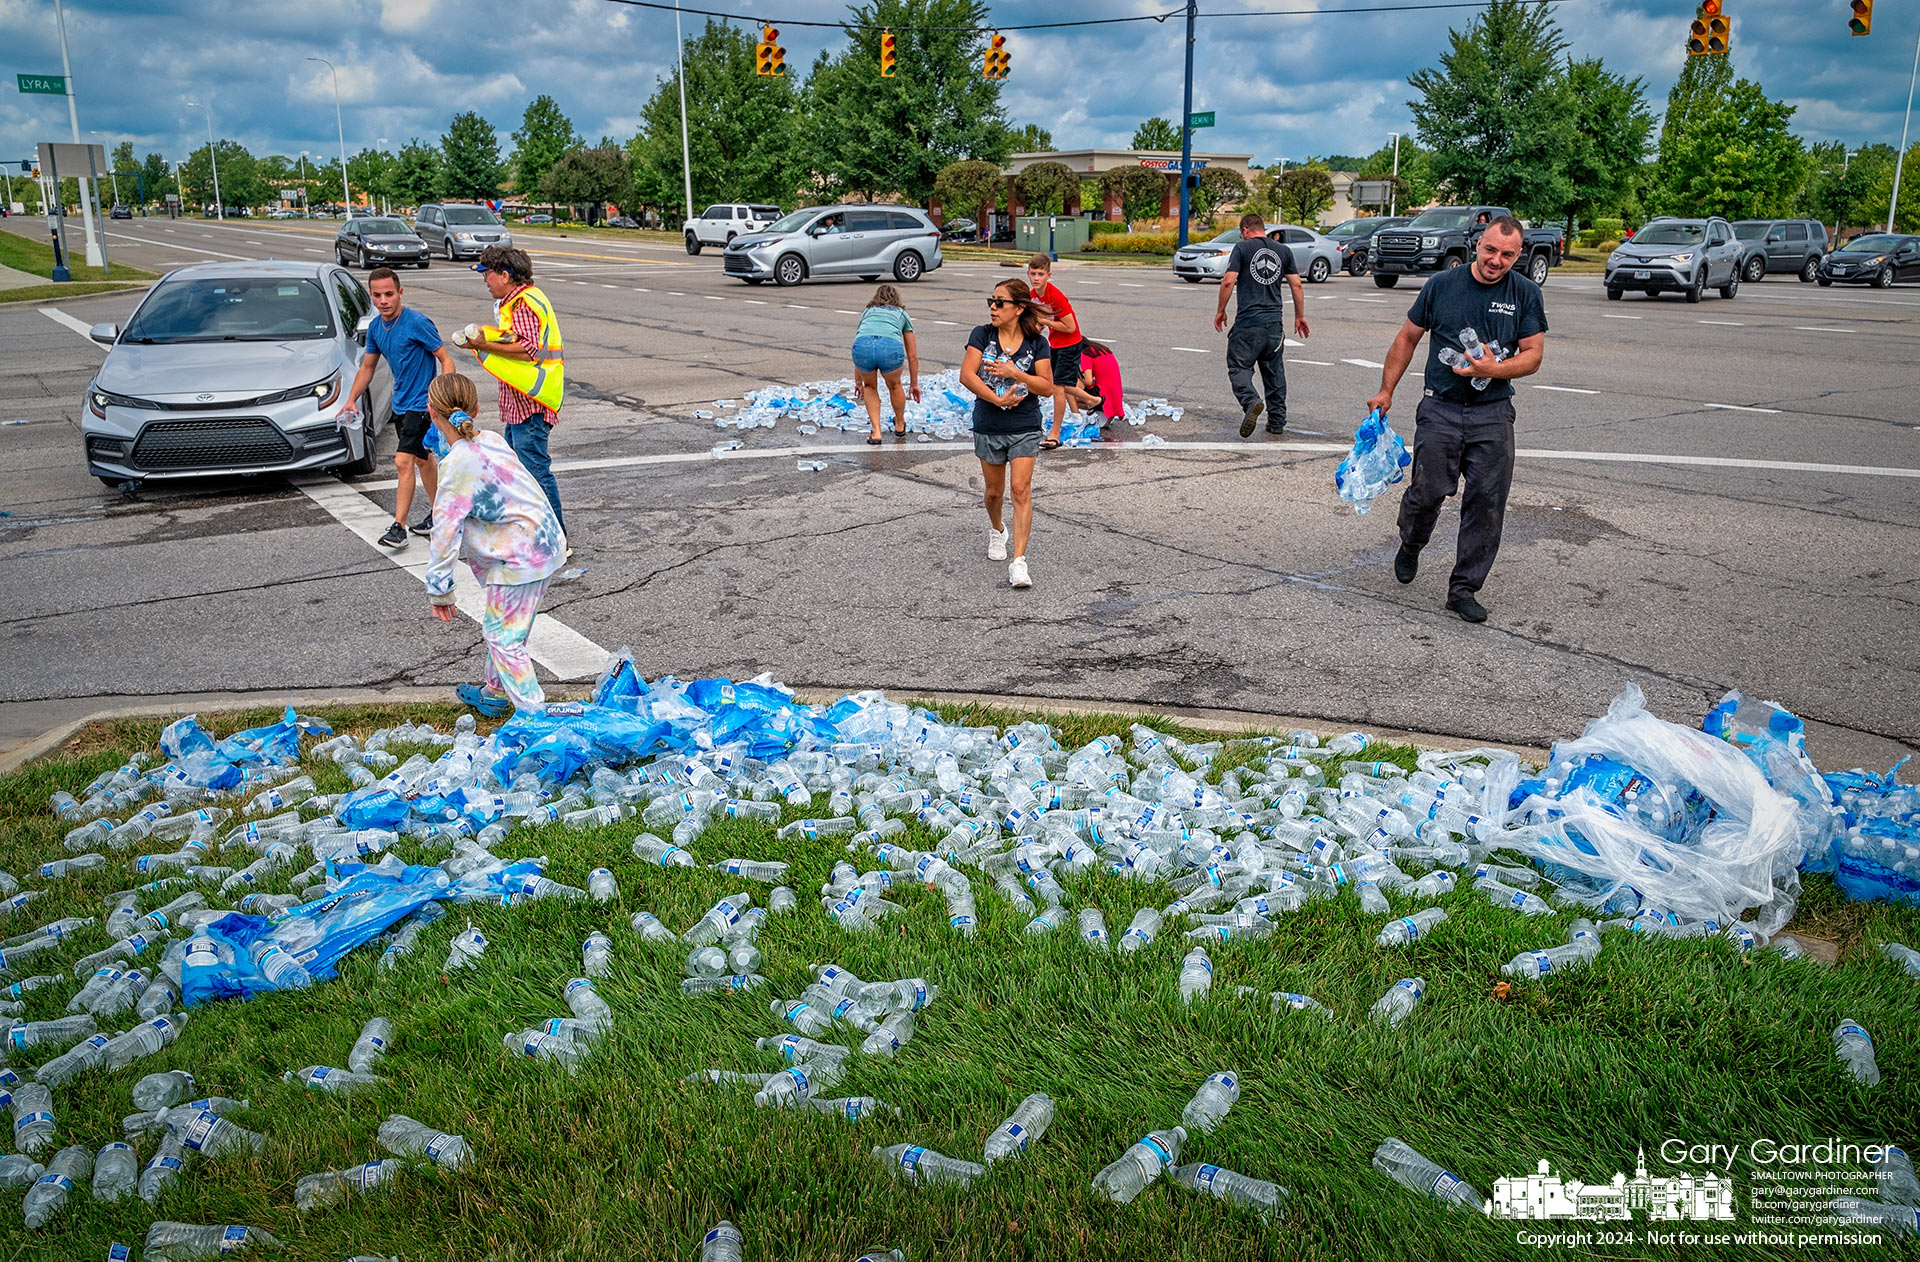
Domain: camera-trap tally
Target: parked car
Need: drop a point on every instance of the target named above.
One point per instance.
(283, 213)
(235, 368)
(822, 241)
(1355, 238)
(1441, 237)
(540, 218)
(1781, 245)
(377, 242)
(717, 225)
(1874, 258)
(1314, 255)
(459, 230)
(1687, 256)
(120, 211)
(960, 230)
(621, 221)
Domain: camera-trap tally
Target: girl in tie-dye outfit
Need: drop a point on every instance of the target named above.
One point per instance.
(490, 513)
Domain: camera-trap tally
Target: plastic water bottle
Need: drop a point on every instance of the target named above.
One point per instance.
(375, 1037)
(1905, 956)
(648, 926)
(1893, 1171)
(1399, 1162)
(1211, 1102)
(1372, 901)
(18, 1171)
(1028, 1123)
(282, 970)
(143, 1040)
(1896, 1220)
(795, 1085)
(721, 985)
(61, 868)
(650, 849)
(923, 1165)
(1142, 931)
(743, 957)
(49, 1191)
(782, 901)
(27, 1034)
(1267, 1199)
(1854, 1047)
(164, 1168)
(797, 1049)
(331, 1187)
(335, 1081)
(1196, 975)
(596, 955)
(70, 1064)
(602, 886)
(211, 1135)
(162, 1090)
(1093, 929)
(116, 1171)
(1501, 894)
(705, 962)
(1475, 350)
(1434, 884)
(465, 950)
(175, 1242)
(404, 1137)
(1552, 960)
(1150, 1156)
(724, 1243)
(1411, 928)
(1399, 1000)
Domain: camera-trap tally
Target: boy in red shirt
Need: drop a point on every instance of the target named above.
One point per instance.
(1063, 339)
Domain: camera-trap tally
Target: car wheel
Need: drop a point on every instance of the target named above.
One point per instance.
(446, 247)
(1319, 270)
(424, 264)
(1883, 279)
(1357, 265)
(1809, 270)
(790, 270)
(1537, 270)
(1825, 283)
(1614, 293)
(1456, 260)
(754, 280)
(1732, 286)
(907, 267)
(1699, 289)
(693, 244)
(1191, 280)
(870, 278)
(1385, 280)
(340, 256)
(1756, 268)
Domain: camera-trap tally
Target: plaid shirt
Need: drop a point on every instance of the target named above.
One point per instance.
(514, 406)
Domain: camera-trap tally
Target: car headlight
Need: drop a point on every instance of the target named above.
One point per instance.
(98, 401)
(1429, 243)
(323, 393)
(1683, 258)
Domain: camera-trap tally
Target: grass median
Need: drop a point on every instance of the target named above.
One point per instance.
(1656, 1039)
(25, 254)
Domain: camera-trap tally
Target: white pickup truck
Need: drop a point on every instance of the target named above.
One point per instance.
(717, 225)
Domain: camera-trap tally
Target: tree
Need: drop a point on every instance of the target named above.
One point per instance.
(1879, 193)
(470, 159)
(1608, 140)
(1729, 152)
(589, 177)
(415, 176)
(1141, 191)
(1495, 112)
(1032, 138)
(370, 171)
(1219, 187)
(866, 135)
(740, 129)
(1156, 133)
(1304, 193)
(1416, 172)
(1045, 186)
(545, 133)
(123, 160)
(240, 182)
(968, 189)
(156, 178)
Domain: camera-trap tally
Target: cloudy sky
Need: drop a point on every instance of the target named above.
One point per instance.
(1282, 86)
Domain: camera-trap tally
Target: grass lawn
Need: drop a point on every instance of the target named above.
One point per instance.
(29, 254)
(74, 289)
(581, 231)
(1657, 1040)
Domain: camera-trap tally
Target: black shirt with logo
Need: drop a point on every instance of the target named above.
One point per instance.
(1263, 266)
(1501, 313)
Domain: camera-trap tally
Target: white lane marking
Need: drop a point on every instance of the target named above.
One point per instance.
(713, 297)
(1127, 284)
(81, 327)
(553, 644)
(844, 311)
(1565, 389)
(954, 323)
(641, 289)
(1732, 324)
(674, 293)
(1194, 350)
(604, 285)
(191, 249)
(1621, 317)
(1822, 328)
(755, 302)
(1290, 342)
(1363, 363)
(1317, 363)
(799, 306)
(1093, 283)
(1366, 300)
(1735, 407)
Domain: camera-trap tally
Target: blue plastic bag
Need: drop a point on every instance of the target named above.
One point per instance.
(1379, 459)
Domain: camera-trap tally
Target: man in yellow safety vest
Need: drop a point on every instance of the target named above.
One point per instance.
(522, 350)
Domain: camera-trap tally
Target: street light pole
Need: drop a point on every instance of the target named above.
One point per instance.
(306, 203)
(95, 257)
(219, 206)
(1394, 207)
(686, 158)
(384, 208)
(1900, 159)
(1186, 121)
(341, 129)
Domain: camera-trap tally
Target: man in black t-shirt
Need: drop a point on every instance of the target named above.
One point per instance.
(1489, 326)
(1261, 270)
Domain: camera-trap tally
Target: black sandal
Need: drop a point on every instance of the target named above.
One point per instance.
(899, 432)
(873, 442)
(1048, 444)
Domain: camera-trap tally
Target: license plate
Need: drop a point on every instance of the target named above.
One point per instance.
(1643, 275)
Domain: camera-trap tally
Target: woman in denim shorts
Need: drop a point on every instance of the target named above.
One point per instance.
(1009, 369)
(882, 346)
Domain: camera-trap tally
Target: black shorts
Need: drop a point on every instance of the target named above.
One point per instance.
(1066, 365)
(412, 429)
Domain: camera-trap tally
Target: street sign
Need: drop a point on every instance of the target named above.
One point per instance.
(173, 198)
(289, 194)
(45, 84)
(1200, 120)
(1370, 192)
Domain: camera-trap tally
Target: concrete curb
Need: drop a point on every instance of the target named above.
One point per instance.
(1225, 722)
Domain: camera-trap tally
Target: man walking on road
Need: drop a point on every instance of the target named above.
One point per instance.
(1256, 269)
(410, 344)
(1463, 428)
(522, 349)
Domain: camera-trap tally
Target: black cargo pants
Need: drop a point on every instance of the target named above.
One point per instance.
(1453, 444)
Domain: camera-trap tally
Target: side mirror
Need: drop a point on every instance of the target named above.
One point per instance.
(360, 329)
(105, 334)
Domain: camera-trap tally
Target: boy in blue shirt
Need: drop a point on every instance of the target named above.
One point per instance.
(412, 347)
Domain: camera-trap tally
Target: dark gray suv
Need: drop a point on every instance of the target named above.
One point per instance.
(1782, 245)
(1678, 255)
(459, 231)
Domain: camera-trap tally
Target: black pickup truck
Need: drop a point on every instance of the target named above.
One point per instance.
(1443, 237)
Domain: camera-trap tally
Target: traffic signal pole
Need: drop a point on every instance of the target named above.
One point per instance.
(1186, 121)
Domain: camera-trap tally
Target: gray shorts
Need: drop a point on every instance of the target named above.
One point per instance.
(1000, 448)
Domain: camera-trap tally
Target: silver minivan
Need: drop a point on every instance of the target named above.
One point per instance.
(459, 231)
(823, 241)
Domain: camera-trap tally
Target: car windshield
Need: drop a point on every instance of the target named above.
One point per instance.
(237, 309)
(1671, 234)
(468, 214)
(792, 223)
(1878, 243)
(765, 212)
(1750, 231)
(1352, 227)
(1442, 218)
(1229, 237)
(384, 227)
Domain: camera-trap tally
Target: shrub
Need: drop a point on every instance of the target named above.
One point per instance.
(1102, 227)
(1134, 243)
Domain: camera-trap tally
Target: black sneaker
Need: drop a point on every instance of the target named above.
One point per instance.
(1277, 431)
(1252, 417)
(1406, 563)
(1468, 608)
(395, 538)
(424, 527)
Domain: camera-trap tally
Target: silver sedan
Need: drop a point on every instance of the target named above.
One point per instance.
(1316, 256)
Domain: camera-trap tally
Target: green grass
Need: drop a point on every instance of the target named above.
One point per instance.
(77, 289)
(29, 254)
(1657, 1040)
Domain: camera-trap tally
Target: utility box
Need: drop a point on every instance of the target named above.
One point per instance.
(1069, 233)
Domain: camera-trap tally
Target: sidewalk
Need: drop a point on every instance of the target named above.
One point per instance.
(14, 278)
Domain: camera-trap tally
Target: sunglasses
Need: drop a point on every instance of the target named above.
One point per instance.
(997, 303)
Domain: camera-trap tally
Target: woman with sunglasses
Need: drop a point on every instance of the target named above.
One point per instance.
(1009, 369)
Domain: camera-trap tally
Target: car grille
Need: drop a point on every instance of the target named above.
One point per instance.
(212, 442)
(1394, 247)
(739, 263)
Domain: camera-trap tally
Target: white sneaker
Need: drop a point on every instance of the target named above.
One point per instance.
(996, 545)
(1017, 573)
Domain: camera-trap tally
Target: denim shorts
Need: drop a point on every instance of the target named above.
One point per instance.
(1002, 448)
(873, 353)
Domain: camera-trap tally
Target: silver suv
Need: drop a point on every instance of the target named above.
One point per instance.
(823, 241)
(717, 225)
(459, 231)
(1686, 256)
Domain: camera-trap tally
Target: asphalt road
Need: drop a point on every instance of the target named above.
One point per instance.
(1709, 496)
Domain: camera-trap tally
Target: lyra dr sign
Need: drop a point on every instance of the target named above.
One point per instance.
(44, 84)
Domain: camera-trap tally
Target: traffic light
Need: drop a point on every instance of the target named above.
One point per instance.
(769, 57)
(1861, 23)
(887, 56)
(998, 58)
(1711, 33)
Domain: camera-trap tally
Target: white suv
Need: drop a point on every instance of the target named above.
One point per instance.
(717, 225)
